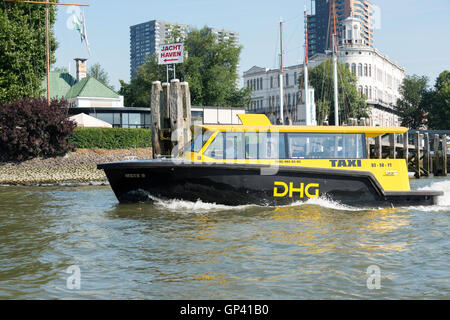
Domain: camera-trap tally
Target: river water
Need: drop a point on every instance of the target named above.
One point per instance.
(79, 243)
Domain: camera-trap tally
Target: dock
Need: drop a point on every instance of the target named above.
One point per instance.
(426, 152)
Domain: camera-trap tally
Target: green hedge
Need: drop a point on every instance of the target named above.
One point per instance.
(111, 138)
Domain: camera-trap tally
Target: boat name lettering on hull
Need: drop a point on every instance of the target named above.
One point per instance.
(346, 163)
(282, 189)
(135, 175)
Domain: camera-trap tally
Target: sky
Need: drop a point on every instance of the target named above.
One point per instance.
(413, 33)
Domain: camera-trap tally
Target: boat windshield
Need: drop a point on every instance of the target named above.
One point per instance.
(199, 140)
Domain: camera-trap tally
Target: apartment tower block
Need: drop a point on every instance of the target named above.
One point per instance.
(145, 39)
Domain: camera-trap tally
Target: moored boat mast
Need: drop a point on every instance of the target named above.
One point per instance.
(305, 67)
(335, 75)
(281, 73)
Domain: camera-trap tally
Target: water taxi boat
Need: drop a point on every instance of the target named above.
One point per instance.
(259, 163)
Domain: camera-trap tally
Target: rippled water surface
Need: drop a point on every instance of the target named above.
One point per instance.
(183, 250)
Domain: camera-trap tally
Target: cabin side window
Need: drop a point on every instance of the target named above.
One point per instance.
(264, 145)
(325, 146)
(227, 145)
(234, 145)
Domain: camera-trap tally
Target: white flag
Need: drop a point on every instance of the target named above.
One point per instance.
(79, 23)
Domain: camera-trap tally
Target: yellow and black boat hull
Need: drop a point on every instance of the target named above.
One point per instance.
(242, 184)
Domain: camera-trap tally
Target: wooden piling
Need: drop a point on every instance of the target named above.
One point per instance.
(155, 103)
(444, 155)
(368, 148)
(171, 118)
(436, 164)
(378, 148)
(186, 94)
(392, 149)
(405, 147)
(417, 150)
(427, 155)
(176, 117)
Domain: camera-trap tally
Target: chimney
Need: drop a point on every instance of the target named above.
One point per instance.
(81, 68)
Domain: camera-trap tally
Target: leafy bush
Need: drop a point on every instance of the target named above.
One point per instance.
(30, 128)
(111, 138)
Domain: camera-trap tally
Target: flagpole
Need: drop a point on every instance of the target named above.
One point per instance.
(47, 32)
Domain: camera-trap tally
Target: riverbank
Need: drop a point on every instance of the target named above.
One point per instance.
(79, 167)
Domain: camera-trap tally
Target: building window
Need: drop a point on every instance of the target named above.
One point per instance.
(261, 86)
(360, 70)
(360, 90)
(271, 82)
(380, 75)
(366, 91)
(370, 70)
(287, 79)
(295, 78)
(366, 70)
(354, 68)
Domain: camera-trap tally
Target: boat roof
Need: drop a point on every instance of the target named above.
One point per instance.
(260, 122)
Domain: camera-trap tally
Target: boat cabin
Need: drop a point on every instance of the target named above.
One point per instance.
(258, 139)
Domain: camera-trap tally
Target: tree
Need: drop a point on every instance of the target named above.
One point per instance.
(411, 106)
(31, 127)
(437, 103)
(351, 103)
(96, 71)
(23, 51)
(210, 69)
(137, 92)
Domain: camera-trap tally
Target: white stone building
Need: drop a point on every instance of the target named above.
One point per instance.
(265, 84)
(379, 79)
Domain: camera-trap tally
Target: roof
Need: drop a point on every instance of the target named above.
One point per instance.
(63, 85)
(92, 88)
(254, 119)
(260, 122)
(371, 132)
(60, 84)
